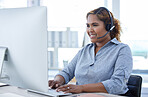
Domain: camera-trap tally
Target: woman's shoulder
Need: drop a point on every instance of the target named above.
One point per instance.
(87, 47)
(124, 45)
(120, 44)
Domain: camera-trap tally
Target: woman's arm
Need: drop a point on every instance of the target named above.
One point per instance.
(96, 87)
(64, 76)
(68, 72)
(70, 88)
(117, 84)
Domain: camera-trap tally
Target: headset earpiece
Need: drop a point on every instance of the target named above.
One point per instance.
(108, 26)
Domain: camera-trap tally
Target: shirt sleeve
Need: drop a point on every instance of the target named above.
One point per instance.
(122, 70)
(69, 70)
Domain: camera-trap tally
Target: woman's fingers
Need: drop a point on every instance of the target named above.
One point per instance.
(65, 88)
(70, 88)
(53, 84)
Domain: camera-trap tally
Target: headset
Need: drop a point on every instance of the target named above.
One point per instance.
(109, 27)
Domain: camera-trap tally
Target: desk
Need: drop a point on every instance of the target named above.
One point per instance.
(25, 93)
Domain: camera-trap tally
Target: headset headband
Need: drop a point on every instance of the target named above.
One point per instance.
(110, 16)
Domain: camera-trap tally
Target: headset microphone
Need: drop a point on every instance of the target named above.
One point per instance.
(106, 32)
(109, 27)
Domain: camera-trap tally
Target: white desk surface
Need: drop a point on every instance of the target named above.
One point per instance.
(12, 90)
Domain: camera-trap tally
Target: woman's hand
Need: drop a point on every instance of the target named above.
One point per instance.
(58, 81)
(54, 84)
(70, 88)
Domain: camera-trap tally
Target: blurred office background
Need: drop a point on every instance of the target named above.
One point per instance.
(67, 25)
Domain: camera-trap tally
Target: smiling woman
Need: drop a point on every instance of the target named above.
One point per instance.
(104, 56)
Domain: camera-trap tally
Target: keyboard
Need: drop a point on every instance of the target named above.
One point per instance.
(54, 92)
(50, 92)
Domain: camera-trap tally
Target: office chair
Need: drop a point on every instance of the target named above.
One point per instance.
(134, 85)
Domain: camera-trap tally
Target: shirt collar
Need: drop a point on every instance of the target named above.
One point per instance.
(114, 40)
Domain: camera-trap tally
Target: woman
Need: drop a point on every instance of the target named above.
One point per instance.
(101, 66)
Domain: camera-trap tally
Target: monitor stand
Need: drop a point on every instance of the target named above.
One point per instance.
(3, 57)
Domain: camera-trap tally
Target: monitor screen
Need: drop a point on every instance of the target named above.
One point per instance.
(24, 32)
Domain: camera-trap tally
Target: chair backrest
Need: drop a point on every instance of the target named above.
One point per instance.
(134, 85)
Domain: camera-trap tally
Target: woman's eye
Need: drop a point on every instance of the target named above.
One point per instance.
(87, 25)
(95, 25)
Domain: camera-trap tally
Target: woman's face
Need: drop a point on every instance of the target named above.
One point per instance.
(95, 29)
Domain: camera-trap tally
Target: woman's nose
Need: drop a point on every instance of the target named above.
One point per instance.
(90, 29)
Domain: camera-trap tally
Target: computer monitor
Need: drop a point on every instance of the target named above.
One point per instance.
(24, 32)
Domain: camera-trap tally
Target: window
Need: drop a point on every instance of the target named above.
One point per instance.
(13, 3)
(134, 24)
(133, 18)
